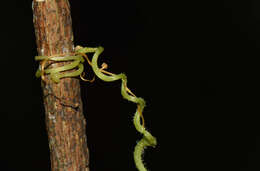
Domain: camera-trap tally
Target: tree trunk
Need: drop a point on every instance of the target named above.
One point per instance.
(63, 106)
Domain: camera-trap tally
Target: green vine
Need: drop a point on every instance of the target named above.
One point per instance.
(77, 62)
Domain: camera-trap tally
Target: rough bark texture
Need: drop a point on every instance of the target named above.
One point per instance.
(63, 106)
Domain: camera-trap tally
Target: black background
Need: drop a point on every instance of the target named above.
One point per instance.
(195, 63)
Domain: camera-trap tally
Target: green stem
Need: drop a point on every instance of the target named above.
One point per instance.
(56, 75)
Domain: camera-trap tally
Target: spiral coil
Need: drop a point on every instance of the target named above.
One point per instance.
(77, 62)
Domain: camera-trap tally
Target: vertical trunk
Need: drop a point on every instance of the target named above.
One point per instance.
(63, 106)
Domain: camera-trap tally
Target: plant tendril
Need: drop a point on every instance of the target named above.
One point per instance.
(77, 60)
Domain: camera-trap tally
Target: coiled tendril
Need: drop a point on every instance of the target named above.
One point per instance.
(77, 62)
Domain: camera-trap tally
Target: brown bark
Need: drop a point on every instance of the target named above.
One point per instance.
(65, 121)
